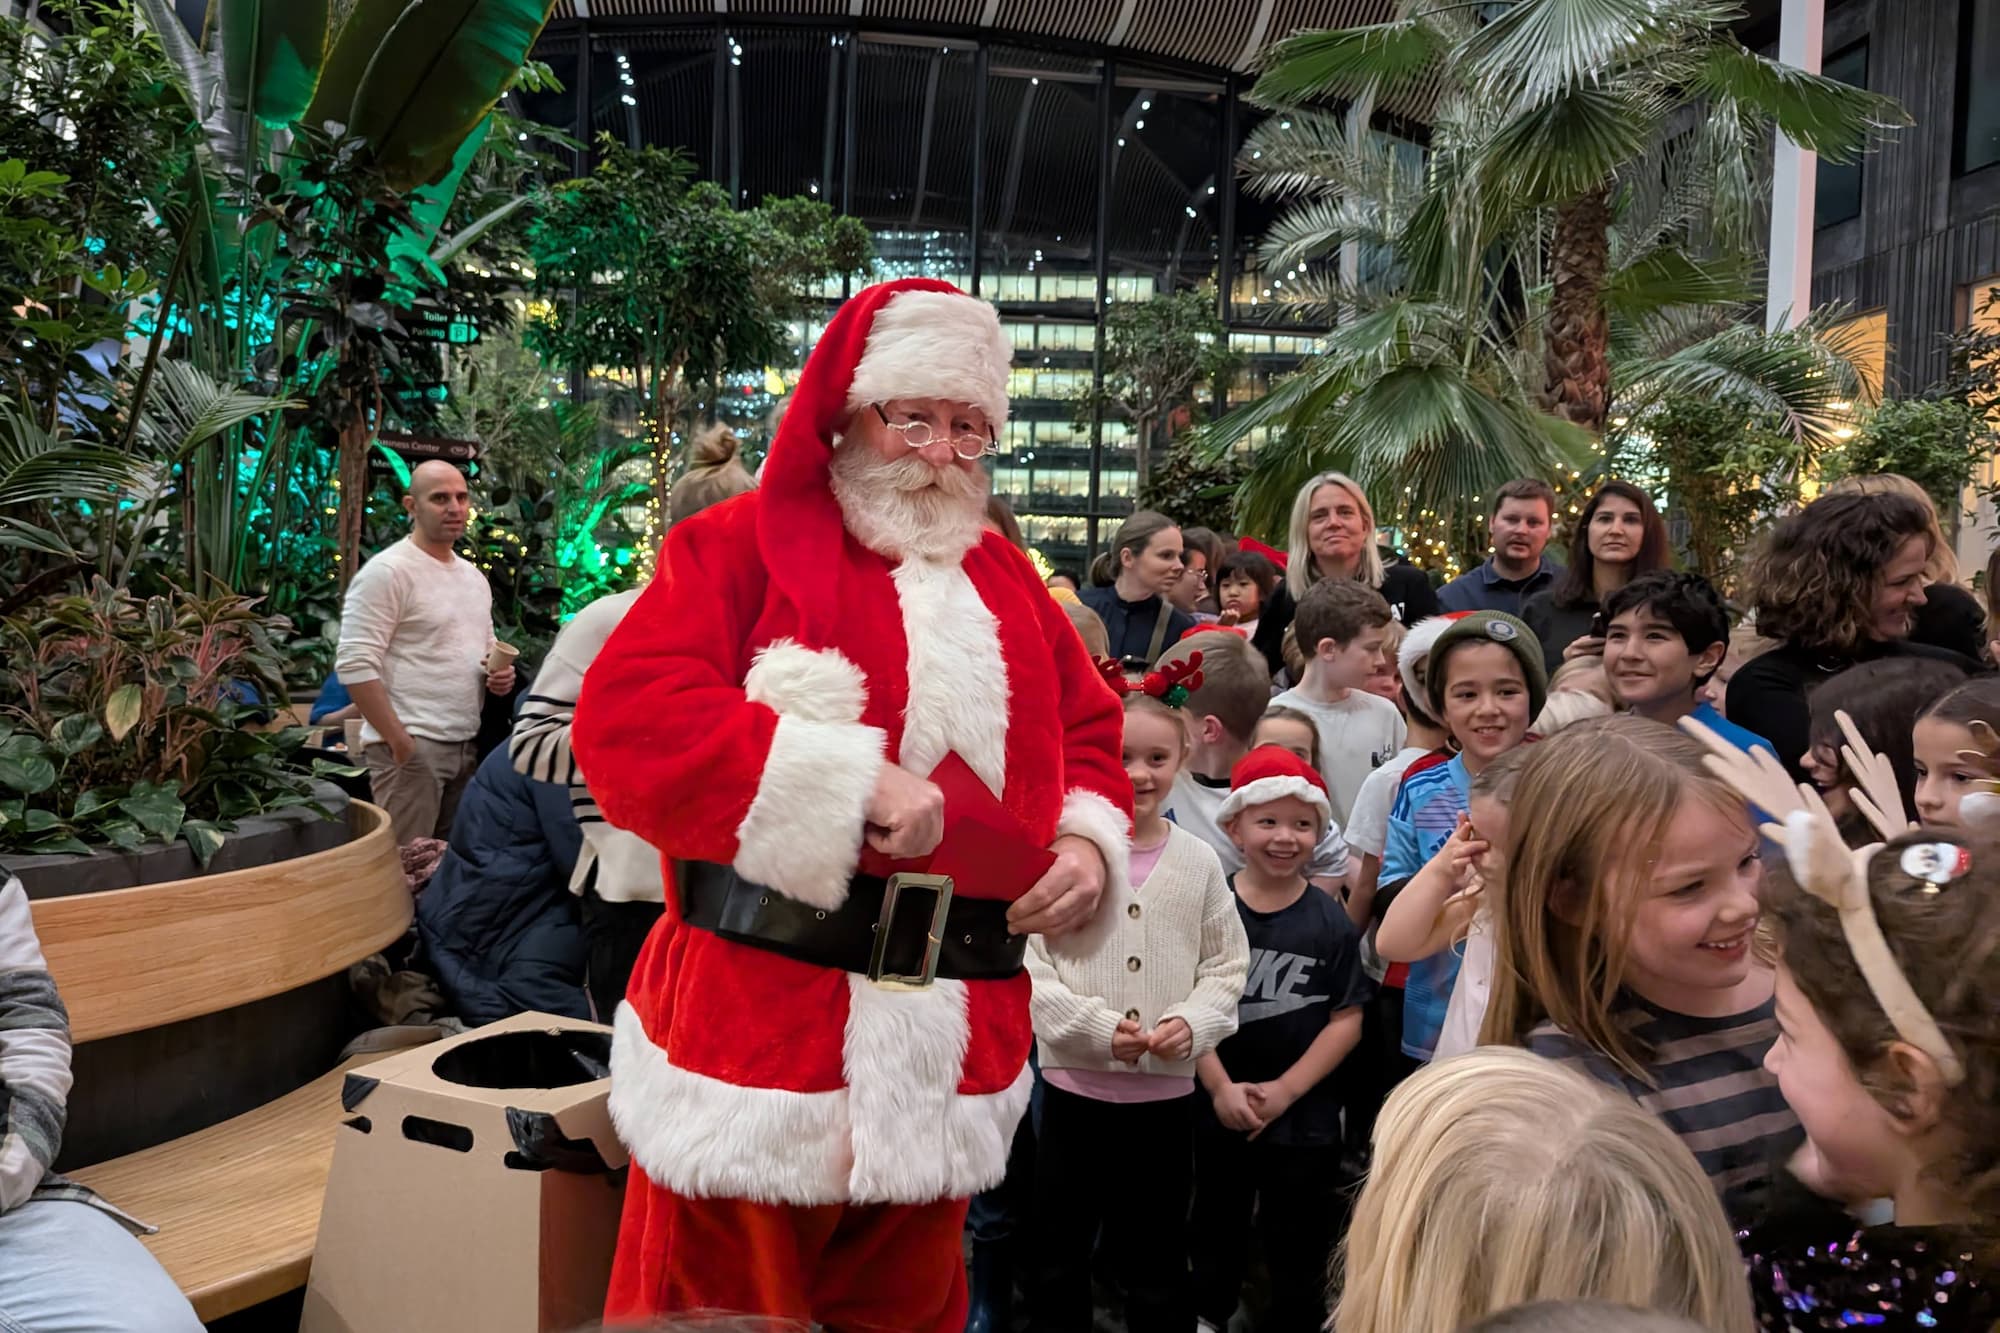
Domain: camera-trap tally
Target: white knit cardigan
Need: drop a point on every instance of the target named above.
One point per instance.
(1191, 957)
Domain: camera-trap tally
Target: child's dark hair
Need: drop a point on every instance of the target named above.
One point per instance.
(1688, 602)
(1337, 609)
(1284, 714)
(1946, 941)
(1884, 698)
(1977, 700)
(1249, 565)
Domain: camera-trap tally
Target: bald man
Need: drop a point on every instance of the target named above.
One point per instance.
(414, 636)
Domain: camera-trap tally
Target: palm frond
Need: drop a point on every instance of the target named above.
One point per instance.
(1538, 50)
(1575, 141)
(186, 409)
(1825, 116)
(1669, 277)
(1375, 61)
(37, 467)
(1800, 377)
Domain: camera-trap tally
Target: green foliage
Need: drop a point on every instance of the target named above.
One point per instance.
(1194, 489)
(1936, 442)
(121, 721)
(1159, 355)
(1725, 469)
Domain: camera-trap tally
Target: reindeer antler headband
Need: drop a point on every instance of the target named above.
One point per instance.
(1824, 866)
(1171, 684)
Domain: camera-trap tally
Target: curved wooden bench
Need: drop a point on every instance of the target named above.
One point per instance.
(141, 958)
(237, 1204)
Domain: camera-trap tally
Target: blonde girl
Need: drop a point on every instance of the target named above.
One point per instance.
(1627, 914)
(1500, 1178)
(1119, 1033)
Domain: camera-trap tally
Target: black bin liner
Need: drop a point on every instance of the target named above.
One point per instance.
(558, 1059)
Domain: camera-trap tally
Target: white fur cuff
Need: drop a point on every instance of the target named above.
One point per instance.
(803, 834)
(1088, 815)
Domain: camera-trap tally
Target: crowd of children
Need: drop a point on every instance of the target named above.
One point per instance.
(1447, 991)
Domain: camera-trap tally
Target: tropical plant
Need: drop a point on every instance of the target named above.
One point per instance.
(1560, 111)
(1936, 442)
(1158, 356)
(121, 721)
(1195, 489)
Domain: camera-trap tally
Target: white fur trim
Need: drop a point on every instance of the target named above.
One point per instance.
(1089, 815)
(802, 834)
(1417, 645)
(958, 679)
(704, 1138)
(813, 685)
(915, 1136)
(935, 345)
(1264, 790)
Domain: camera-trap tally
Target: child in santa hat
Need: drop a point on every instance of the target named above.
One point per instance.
(1271, 1146)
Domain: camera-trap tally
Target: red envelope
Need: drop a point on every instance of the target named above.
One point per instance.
(986, 850)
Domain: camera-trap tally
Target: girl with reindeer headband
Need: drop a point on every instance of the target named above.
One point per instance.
(1119, 1032)
(1888, 1007)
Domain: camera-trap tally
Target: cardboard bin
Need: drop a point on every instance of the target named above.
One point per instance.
(476, 1185)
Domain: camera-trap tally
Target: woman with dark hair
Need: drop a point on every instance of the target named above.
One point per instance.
(1333, 536)
(1145, 565)
(1837, 583)
(1195, 591)
(1951, 617)
(1618, 537)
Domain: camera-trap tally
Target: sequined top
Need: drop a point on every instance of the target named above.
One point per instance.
(1884, 1277)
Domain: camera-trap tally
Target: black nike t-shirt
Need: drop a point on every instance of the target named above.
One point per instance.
(1305, 966)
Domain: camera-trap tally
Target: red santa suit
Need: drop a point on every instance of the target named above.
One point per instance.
(803, 1141)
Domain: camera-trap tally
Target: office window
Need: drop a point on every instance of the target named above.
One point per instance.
(1978, 130)
(1837, 187)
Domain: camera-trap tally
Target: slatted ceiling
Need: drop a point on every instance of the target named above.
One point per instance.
(799, 8)
(1056, 193)
(1198, 30)
(967, 12)
(639, 9)
(1076, 20)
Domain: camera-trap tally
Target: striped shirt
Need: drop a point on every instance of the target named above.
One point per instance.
(619, 866)
(1425, 813)
(1709, 1086)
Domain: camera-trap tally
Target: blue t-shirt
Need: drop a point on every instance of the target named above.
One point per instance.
(1426, 812)
(1740, 737)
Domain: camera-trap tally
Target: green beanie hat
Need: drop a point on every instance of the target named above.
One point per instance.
(1490, 627)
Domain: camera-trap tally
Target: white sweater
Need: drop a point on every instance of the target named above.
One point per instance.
(422, 627)
(1192, 956)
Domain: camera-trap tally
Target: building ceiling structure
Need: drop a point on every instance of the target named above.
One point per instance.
(1217, 34)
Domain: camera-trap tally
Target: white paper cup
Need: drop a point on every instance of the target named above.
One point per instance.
(351, 730)
(500, 657)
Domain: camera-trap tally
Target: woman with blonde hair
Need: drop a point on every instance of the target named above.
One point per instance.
(714, 474)
(1333, 536)
(1951, 616)
(1501, 1178)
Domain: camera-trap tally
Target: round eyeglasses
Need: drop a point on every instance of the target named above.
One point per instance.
(918, 434)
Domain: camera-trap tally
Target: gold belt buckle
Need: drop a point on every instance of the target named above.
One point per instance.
(933, 940)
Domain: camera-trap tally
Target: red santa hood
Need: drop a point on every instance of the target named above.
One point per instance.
(913, 338)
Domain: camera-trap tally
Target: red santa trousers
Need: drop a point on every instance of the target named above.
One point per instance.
(854, 1268)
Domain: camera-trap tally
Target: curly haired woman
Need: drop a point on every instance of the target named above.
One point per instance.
(1837, 583)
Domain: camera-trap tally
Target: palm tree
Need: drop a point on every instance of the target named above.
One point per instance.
(1560, 102)
(1558, 239)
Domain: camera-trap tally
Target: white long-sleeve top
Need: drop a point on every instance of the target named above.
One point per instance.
(1192, 956)
(620, 865)
(422, 626)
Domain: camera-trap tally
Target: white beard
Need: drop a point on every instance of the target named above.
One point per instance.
(905, 508)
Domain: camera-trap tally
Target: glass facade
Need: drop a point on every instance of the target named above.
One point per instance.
(1978, 129)
(1051, 182)
(1837, 185)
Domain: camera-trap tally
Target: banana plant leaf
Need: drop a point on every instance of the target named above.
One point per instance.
(414, 77)
(409, 251)
(272, 51)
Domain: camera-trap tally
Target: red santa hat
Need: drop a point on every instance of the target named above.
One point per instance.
(913, 338)
(1271, 553)
(1269, 774)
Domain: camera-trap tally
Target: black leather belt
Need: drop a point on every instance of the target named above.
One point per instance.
(904, 921)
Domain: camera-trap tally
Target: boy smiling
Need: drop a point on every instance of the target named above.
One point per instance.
(1665, 636)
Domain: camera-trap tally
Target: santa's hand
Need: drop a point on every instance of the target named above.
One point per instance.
(1066, 895)
(905, 814)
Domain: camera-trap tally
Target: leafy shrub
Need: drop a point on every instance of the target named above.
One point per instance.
(121, 719)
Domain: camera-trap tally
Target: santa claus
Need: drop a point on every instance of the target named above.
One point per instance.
(878, 758)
